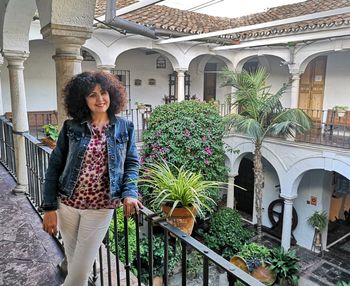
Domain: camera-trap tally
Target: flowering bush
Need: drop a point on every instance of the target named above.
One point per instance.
(189, 134)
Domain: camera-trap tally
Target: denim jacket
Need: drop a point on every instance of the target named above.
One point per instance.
(66, 160)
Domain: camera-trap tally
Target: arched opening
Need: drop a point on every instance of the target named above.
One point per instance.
(339, 210)
(244, 198)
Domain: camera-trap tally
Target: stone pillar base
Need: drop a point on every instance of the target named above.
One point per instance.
(20, 189)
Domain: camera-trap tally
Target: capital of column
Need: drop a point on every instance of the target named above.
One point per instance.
(106, 68)
(15, 59)
(295, 76)
(181, 72)
(67, 39)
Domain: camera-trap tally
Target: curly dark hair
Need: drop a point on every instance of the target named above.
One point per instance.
(81, 85)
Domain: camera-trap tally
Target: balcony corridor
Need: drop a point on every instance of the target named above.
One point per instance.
(28, 256)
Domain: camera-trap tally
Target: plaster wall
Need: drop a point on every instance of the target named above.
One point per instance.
(308, 187)
(143, 67)
(337, 82)
(39, 76)
(270, 192)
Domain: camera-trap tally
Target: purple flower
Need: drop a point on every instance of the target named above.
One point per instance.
(206, 162)
(187, 133)
(204, 139)
(208, 151)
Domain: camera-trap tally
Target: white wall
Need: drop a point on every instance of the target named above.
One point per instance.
(270, 192)
(143, 67)
(39, 77)
(337, 83)
(308, 187)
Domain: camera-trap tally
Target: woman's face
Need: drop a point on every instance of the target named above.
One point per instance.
(98, 100)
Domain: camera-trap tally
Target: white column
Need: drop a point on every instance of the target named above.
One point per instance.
(231, 191)
(287, 223)
(294, 97)
(1, 103)
(67, 41)
(15, 66)
(180, 85)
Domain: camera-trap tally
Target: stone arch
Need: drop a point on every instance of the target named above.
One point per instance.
(173, 60)
(306, 54)
(206, 57)
(243, 57)
(94, 54)
(267, 154)
(17, 18)
(326, 162)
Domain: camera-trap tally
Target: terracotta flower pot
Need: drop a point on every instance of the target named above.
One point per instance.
(239, 262)
(49, 142)
(180, 218)
(264, 274)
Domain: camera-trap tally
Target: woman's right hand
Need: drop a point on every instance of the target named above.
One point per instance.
(50, 222)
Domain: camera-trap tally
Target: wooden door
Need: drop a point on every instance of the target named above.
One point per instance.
(210, 82)
(311, 90)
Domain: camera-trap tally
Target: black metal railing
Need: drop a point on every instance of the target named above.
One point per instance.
(37, 157)
(110, 269)
(7, 150)
(172, 237)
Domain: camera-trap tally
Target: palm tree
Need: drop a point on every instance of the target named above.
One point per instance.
(261, 114)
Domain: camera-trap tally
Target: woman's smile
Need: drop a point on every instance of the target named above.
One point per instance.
(98, 100)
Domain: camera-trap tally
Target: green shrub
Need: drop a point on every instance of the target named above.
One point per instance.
(189, 134)
(342, 283)
(284, 264)
(158, 257)
(226, 235)
(254, 250)
(121, 240)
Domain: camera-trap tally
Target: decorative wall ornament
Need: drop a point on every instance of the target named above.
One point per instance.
(138, 81)
(151, 81)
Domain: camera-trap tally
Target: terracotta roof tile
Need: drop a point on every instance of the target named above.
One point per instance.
(190, 22)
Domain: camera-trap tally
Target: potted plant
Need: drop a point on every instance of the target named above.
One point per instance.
(256, 256)
(180, 193)
(51, 132)
(318, 221)
(340, 109)
(284, 264)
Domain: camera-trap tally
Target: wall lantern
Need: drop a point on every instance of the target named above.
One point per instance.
(161, 62)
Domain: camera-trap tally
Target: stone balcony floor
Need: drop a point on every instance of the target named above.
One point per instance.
(29, 256)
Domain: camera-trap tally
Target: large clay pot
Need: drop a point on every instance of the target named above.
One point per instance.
(180, 218)
(240, 263)
(264, 274)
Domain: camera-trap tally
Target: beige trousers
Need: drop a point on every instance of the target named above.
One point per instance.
(82, 233)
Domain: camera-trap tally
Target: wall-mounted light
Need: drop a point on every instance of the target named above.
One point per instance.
(161, 62)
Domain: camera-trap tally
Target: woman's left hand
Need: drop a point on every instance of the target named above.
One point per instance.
(131, 204)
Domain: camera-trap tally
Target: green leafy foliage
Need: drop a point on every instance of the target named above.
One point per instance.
(318, 220)
(284, 264)
(226, 235)
(188, 134)
(120, 238)
(176, 187)
(158, 256)
(194, 263)
(254, 251)
(51, 131)
(342, 283)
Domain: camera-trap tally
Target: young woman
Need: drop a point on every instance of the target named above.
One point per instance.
(92, 169)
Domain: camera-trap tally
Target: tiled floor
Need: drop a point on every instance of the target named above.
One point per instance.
(28, 256)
